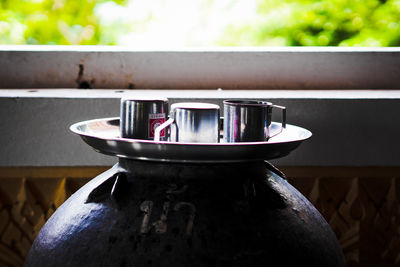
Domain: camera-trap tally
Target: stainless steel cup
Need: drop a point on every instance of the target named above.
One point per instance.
(141, 116)
(192, 123)
(249, 120)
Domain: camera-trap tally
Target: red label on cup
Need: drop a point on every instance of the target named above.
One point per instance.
(156, 120)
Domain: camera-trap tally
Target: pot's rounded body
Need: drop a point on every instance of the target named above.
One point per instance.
(162, 214)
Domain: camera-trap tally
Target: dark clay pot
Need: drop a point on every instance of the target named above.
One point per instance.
(161, 214)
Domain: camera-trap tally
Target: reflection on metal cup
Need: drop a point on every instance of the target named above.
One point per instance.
(141, 116)
(249, 120)
(192, 123)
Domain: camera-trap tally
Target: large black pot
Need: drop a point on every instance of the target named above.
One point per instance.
(161, 214)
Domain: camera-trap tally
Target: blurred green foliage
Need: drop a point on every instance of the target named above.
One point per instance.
(64, 22)
(276, 22)
(319, 23)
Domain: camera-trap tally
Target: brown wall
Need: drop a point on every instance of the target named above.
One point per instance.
(360, 203)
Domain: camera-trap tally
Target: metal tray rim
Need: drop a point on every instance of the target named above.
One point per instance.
(75, 129)
(164, 151)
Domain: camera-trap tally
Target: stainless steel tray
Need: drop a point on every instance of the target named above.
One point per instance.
(103, 136)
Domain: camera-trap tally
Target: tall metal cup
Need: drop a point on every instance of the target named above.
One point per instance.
(191, 123)
(249, 120)
(139, 117)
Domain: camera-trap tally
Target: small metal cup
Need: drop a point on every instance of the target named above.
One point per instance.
(249, 120)
(191, 123)
(141, 116)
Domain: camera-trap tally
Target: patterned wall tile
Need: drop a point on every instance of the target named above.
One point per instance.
(360, 204)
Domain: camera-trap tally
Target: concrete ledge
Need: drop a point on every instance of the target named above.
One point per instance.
(350, 128)
(216, 93)
(227, 67)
